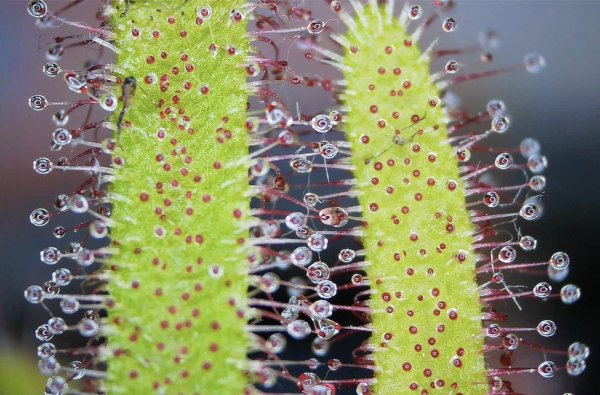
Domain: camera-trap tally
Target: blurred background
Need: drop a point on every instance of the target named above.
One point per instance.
(558, 107)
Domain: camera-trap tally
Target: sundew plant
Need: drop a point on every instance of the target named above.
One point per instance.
(230, 242)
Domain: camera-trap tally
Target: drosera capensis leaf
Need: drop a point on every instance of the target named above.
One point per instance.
(178, 282)
(418, 238)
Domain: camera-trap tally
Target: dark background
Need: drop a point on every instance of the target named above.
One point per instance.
(558, 107)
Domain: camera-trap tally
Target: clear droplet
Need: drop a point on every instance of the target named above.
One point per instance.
(493, 330)
(109, 145)
(269, 228)
(316, 26)
(92, 315)
(488, 39)
(76, 370)
(542, 290)
(496, 383)
(74, 247)
(295, 220)
(253, 69)
(108, 102)
(557, 275)
(537, 183)
(495, 108)
(51, 69)
(326, 328)
(334, 364)
(286, 138)
(317, 242)
(43, 333)
(491, 199)
(321, 309)
(98, 229)
(346, 255)
(415, 12)
(57, 385)
(269, 283)
(57, 325)
(451, 66)
(276, 343)
(62, 277)
(298, 329)
(48, 366)
(78, 204)
(292, 311)
(46, 350)
(507, 254)
(87, 327)
(60, 118)
(320, 347)
(504, 161)
(560, 260)
(527, 243)
(510, 341)
(69, 305)
(38, 102)
(326, 289)
(449, 25)
(204, 12)
(327, 150)
(37, 8)
(34, 294)
(318, 272)
(301, 165)
(529, 147)
(59, 232)
(39, 217)
(301, 256)
(307, 381)
(363, 389)
(534, 63)
(531, 211)
(537, 163)
(500, 124)
(42, 165)
(547, 369)
(277, 116)
(575, 367)
(55, 53)
(51, 289)
(321, 389)
(357, 279)
(497, 277)
(336, 6)
(570, 294)
(282, 260)
(267, 377)
(260, 167)
(578, 351)
(321, 123)
(463, 154)
(334, 216)
(62, 137)
(311, 199)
